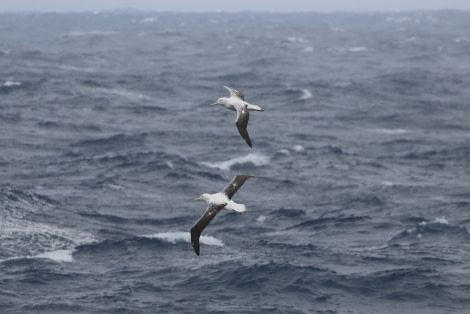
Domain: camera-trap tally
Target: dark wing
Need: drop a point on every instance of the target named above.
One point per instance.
(242, 123)
(235, 92)
(206, 218)
(235, 184)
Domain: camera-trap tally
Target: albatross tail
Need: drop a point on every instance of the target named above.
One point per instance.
(236, 207)
(252, 107)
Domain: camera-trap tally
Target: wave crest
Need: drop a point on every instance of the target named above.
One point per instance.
(178, 236)
(255, 159)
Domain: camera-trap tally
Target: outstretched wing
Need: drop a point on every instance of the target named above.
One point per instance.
(235, 92)
(235, 184)
(242, 122)
(201, 224)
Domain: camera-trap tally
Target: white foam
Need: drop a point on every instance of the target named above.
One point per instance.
(342, 84)
(397, 19)
(298, 148)
(306, 94)
(261, 218)
(336, 29)
(254, 158)
(96, 33)
(123, 93)
(178, 236)
(21, 238)
(308, 49)
(148, 20)
(296, 39)
(389, 131)
(357, 49)
(74, 68)
(10, 84)
(57, 256)
(462, 39)
(437, 220)
(441, 220)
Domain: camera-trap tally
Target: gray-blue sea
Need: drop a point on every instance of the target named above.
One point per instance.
(362, 204)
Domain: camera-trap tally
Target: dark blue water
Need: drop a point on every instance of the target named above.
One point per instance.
(106, 135)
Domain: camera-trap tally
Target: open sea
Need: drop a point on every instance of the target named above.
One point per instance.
(363, 153)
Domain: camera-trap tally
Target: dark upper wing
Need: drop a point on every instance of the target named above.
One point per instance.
(235, 92)
(242, 122)
(209, 214)
(235, 184)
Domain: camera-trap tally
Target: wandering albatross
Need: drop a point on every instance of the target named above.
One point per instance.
(237, 102)
(217, 202)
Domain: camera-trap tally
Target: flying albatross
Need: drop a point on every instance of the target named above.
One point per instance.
(217, 202)
(237, 102)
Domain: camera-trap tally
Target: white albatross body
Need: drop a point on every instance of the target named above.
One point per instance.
(221, 198)
(236, 102)
(217, 202)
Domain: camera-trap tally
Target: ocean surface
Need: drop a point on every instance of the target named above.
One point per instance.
(363, 153)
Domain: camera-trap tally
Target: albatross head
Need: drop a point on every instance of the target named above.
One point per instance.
(221, 101)
(202, 197)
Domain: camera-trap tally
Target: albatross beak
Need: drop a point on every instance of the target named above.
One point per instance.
(214, 104)
(197, 198)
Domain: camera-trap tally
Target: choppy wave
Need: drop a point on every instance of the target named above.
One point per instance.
(22, 237)
(57, 256)
(25, 239)
(438, 229)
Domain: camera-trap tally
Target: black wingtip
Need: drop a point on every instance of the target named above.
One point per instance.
(195, 241)
(196, 248)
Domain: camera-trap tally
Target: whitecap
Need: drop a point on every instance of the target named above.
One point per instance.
(91, 33)
(178, 236)
(389, 131)
(437, 220)
(462, 39)
(57, 256)
(10, 84)
(21, 238)
(296, 39)
(306, 94)
(308, 49)
(148, 20)
(357, 49)
(298, 148)
(342, 84)
(261, 218)
(441, 220)
(336, 29)
(283, 152)
(254, 158)
(123, 93)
